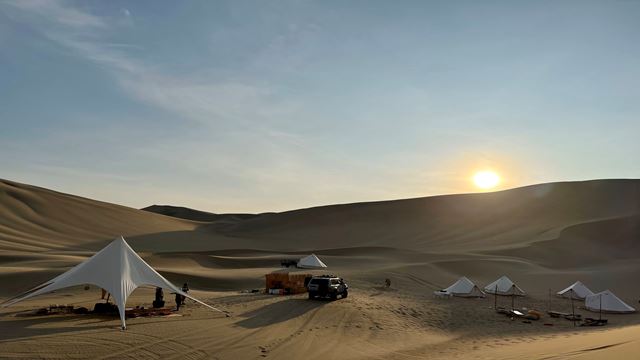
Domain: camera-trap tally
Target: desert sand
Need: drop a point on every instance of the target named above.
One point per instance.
(544, 237)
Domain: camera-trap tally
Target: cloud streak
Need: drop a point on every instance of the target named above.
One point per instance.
(59, 13)
(240, 142)
(193, 97)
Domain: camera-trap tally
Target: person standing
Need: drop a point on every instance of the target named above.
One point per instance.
(159, 301)
(178, 301)
(185, 289)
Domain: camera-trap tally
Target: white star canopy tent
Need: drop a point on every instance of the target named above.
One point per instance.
(606, 301)
(311, 262)
(461, 288)
(117, 269)
(504, 286)
(577, 291)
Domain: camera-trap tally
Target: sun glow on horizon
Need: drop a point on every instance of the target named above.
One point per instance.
(486, 179)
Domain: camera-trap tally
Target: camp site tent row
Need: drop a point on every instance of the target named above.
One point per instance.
(117, 269)
(604, 301)
(466, 288)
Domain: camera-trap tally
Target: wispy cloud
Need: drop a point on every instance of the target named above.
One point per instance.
(191, 97)
(240, 141)
(58, 12)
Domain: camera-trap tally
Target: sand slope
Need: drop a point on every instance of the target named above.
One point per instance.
(37, 219)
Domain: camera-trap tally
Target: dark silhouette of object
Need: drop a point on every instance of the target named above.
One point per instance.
(178, 301)
(387, 282)
(289, 263)
(105, 308)
(185, 289)
(159, 301)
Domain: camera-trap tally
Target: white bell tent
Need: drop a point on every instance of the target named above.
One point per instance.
(461, 288)
(577, 291)
(608, 302)
(504, 286)
(117, 269)
(311, 262)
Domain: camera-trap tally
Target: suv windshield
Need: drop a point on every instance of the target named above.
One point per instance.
(319, 281)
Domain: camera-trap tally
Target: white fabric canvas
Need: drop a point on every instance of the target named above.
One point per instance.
(461, 288)
(116, 268)
(311, 262)
(504, 286)
(577, 291)
(610, 303)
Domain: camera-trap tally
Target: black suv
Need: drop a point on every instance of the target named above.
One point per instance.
(327, 286)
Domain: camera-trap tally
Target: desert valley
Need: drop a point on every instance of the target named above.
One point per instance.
(544, 237)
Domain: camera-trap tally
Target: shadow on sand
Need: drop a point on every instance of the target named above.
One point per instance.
(278, 312)
(25, 327)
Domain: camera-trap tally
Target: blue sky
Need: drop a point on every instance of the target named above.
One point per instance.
(268, 106)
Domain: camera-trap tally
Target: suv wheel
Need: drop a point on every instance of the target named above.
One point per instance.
(345, 294)
(312, 296)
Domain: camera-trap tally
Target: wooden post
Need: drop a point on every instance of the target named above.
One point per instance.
(600, 306)
(573, 311)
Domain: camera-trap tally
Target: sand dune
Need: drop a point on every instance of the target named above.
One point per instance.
(543, 236)
(195, 215)
(36, 219)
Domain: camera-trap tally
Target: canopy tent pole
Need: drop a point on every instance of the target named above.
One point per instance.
(513, 296)
(495, 298)
(573, 311)
(600, 306)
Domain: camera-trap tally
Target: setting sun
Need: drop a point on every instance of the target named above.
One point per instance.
(486, 179)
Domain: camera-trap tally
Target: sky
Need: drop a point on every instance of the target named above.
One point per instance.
(252, 106)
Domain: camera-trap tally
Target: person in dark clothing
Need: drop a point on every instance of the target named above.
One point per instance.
(185, 289)
(178, 301)
(159, 301)
(159, 294)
